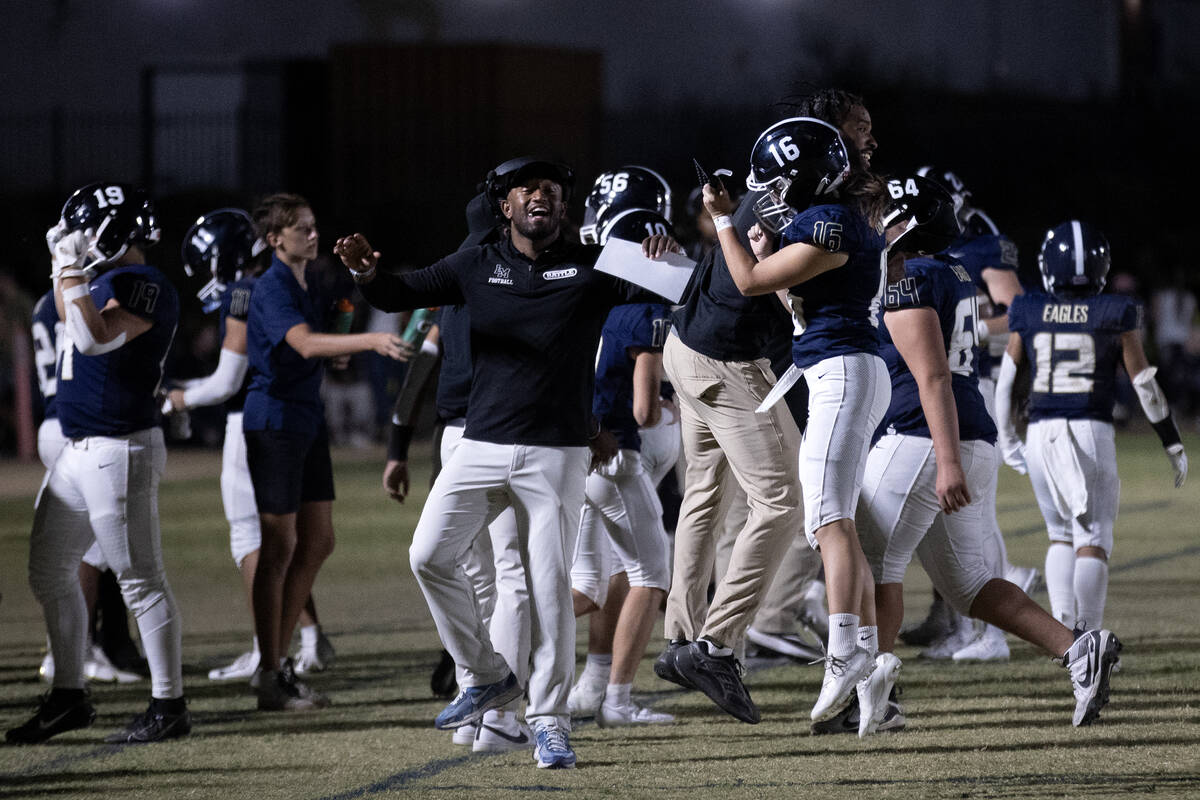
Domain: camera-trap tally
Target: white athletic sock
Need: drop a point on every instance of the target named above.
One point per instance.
(1091, 590)
(1060, 582)
(308, 636)
(597, 668)
(617, 694)
(843, 634)
(868, 639)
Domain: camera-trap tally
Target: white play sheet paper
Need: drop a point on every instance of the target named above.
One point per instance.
(667, 276)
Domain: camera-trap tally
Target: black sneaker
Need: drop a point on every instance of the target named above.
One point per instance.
(846, 720)
(664, 665)
(719, 677)
(163, 719)
(59, 711)
(442, 683)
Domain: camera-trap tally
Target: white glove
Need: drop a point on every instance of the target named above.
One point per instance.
(1178, 463)
(54, 234)
(70, 254)
(1013, 452)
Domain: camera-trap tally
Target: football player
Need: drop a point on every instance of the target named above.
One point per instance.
(1074, 337)
(537, 307)
(630, 187)
(924, 488)
(830, 262)
(621, 536)
(120, 316)
(990, 258)
(223, 244)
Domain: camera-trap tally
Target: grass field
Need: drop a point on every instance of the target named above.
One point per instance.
(996, 731)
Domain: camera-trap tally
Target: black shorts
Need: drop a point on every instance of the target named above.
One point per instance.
(288, 469)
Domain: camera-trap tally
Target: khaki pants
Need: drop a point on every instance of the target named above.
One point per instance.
(721, 435)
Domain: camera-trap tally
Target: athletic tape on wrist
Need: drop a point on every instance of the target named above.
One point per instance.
(75, 292)
(722, 222)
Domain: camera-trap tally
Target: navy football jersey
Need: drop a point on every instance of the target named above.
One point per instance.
(235, 304)
(285, 387)
(942, 284)
(977, 254)
(47, 328)
(836, 313)
(635, 326)
(1074, 346)
(112, 394)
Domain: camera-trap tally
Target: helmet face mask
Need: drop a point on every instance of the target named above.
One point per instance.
(223, 242)
(795, 161)
(117, 214)
(1074, 260)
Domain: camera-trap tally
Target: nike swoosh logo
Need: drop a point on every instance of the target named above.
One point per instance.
(45, 725)
(1093, 664)
(520, 738)
(845, 624)
(104, 466)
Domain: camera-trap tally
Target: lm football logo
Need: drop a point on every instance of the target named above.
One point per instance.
(501, 276)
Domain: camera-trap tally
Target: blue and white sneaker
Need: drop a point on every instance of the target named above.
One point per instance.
(551, 748)
(1092, 659)
(474, 701)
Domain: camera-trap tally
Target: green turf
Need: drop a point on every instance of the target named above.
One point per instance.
(974, 731)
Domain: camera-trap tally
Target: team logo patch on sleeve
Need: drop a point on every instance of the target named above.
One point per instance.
(501, 276)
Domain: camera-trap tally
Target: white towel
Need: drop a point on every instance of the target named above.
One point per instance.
(1060, 460)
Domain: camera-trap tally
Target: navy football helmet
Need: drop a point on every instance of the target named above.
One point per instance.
(952, 184)
(927, 211)
(1074, 260)
(622, 189)
(223, 242)
(795, 161)
(977, 223)
(634, 225)
(118, 215)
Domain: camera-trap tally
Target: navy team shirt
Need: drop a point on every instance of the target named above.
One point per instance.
(46, 329)
(235, 304)
(1074, 345)
(636, 326)
(285, 387)
(945, 286)
(836, 313)
(454, 377)
(535, 326)
(977, 253)
(715, 319)
(112, 394)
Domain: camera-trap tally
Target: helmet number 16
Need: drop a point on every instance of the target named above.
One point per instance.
(787, 149)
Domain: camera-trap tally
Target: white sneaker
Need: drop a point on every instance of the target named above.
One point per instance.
(944, 648)
(841, 677)
(501, 732)
(242, 667)
(97, 667)
(614, 716)
(987, 646)
(315, 659)
(1029, 579)
(464, 736)
(1092, 659)
(874, 691)
(586, 696)
(46, 670)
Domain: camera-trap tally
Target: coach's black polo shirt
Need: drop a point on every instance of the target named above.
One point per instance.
(715, 319)
(535, 327)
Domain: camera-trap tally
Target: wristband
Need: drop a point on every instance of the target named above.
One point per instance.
(75, 292)
(364, 276)
(722, 222)
(398, 441)
(1167, 431)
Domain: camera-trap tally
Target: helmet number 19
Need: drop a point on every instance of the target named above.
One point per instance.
(109, 196)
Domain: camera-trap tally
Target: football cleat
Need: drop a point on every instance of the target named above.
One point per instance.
(242, 667)
(163, 719)
(552, 747)
(59, 710)
(841, 678)
(1092, 659)
(989, 645)
(611, 715)
(474, 701)
(874, 693)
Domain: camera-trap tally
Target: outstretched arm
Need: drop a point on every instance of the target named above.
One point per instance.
(1154, 402)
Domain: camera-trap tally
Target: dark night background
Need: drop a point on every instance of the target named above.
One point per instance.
(385, 113)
